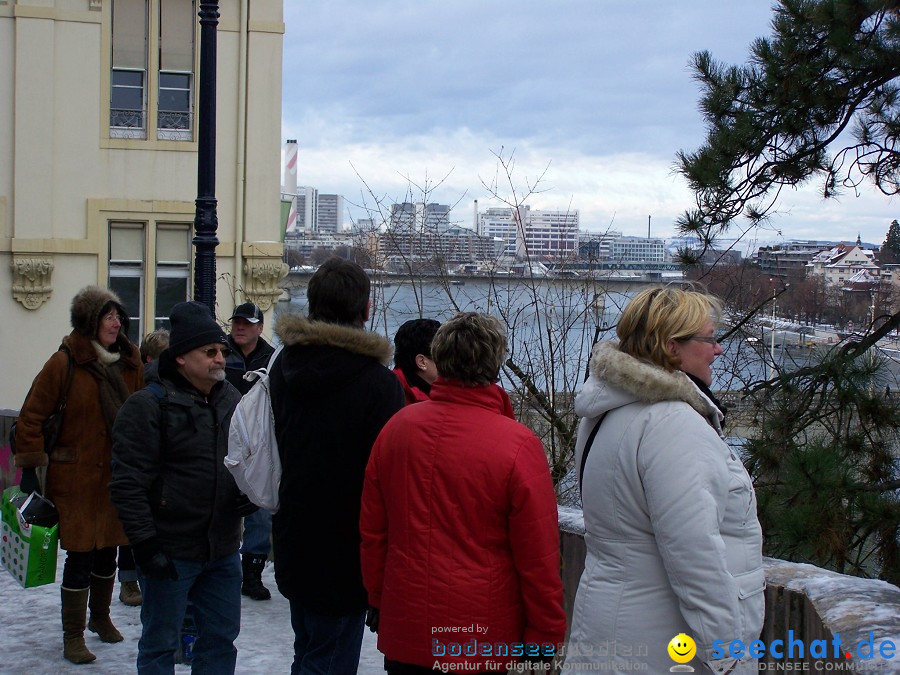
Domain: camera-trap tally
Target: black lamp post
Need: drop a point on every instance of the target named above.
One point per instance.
(205, 219)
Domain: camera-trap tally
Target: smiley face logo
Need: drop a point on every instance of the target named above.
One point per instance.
(682, 648)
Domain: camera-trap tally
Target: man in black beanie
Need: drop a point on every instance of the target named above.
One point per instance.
(178, 503)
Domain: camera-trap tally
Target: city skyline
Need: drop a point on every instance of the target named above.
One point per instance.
(599, 95)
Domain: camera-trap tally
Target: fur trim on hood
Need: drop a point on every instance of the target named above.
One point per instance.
(294, 329)
(639, 380)
(86, 306)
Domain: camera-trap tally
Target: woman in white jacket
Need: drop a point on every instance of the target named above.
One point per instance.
(673, 542)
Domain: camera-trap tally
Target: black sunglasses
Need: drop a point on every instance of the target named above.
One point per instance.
(212, 351)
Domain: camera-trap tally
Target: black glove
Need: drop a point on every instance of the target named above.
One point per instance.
(29, 481)
(372, 615)
(152, 561)
(244, 506)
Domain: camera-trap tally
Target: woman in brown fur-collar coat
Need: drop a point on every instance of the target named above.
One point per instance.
(105, 369)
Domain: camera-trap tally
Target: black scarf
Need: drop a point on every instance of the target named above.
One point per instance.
(413, 380)
(701, 385)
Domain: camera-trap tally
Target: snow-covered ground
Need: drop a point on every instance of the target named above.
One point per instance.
(31, 634)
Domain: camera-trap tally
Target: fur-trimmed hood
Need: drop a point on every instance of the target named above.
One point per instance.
(86, 307)
(85, 318)
(618, 379)
(294, 329)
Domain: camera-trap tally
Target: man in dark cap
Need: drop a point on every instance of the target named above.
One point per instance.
(250, 351)
(178, 503)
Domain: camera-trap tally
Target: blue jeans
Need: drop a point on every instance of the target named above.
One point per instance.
(257, 529)
(214, 588)
(127, 571)
(325, 645)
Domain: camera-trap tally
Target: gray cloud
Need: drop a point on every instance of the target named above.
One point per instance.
(574, 82)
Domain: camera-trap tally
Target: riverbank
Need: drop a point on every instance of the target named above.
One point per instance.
(600, 281)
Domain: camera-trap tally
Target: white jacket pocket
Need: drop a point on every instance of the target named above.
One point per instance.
(750, 586)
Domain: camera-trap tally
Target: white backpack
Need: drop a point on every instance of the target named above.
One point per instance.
(252, 456)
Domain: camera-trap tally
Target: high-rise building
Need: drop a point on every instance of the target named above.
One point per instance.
(330, 214)
(307, 209)
(500, 223)
(437, 217)
(420, 217)
(637, 249)
(527, 233)
(318, 213)
(595, 245)
(403, 217)
(550, 234)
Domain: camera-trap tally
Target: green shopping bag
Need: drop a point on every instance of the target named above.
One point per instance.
(28, 542)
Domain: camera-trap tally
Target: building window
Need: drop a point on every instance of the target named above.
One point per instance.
(173, 269)
(175, 106)
(152, 75)
(128, 91)
(127, 272)
(149, 285)
(176, 69)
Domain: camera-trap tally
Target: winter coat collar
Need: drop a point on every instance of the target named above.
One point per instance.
(294, 329)
(488, 396)
(412, 392)
(105, 357)
(82, 349)
(618, 378)
(262, 347)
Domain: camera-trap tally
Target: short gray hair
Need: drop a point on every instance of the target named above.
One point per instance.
(470, 348)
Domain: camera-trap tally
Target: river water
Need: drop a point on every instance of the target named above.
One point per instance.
(552, 325)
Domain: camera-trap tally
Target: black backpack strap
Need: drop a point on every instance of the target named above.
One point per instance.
(587, 450)
(60, 407)
(161, 395)
(69, 374)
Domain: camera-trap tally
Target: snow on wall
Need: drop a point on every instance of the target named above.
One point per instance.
(857, 609)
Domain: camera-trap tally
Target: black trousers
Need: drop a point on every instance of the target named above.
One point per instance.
(126, 559)
(80, 565)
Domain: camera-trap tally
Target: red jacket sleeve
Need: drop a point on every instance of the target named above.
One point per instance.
(373, 529)
(534, 538)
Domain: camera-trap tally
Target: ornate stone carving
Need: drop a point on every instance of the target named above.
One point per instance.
(31, 279)
(261, 277)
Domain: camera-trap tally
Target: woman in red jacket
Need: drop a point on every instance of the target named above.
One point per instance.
(460, 546)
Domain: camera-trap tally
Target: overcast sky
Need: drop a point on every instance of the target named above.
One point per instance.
(594, 97)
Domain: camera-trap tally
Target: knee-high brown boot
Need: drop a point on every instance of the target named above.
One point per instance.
(74, 615)
(101, 596)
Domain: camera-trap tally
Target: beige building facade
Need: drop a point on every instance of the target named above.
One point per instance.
(839, 264)
(98, 163)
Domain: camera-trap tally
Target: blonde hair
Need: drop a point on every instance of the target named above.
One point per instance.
(154, 344)
(656, 315)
